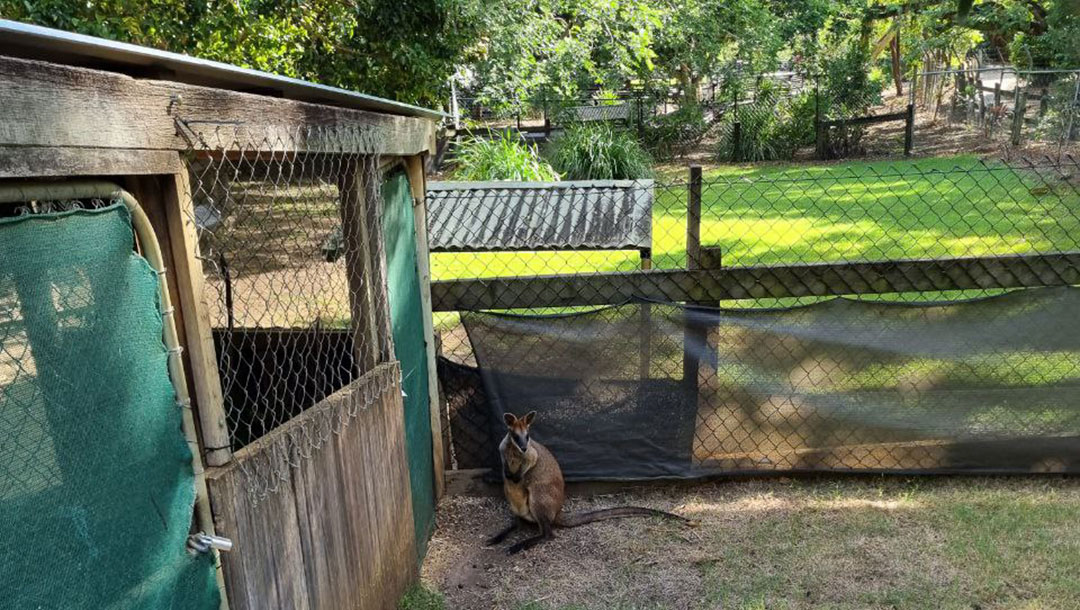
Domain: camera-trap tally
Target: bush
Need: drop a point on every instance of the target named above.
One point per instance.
(766, 130)
(503, 158)
(671, 135)
(599, 152)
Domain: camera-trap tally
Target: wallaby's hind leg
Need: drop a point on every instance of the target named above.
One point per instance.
(546, 533)
(513, 527)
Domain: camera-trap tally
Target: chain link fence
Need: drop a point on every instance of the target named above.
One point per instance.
(1000, 109)
(282, 280)
(739, 350)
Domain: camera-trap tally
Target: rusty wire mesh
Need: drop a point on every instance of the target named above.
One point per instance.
(988, 227)
(278, 284)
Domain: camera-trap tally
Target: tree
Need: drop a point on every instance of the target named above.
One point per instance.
(400, 50)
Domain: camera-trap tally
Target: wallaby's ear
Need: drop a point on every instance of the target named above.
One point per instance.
(529, 418)
(509, 419)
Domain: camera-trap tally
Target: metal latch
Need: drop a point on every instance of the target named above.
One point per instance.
(202, 543)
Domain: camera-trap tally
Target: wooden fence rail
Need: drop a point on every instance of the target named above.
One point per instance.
(797, 280)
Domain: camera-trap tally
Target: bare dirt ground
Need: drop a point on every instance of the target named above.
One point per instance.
(821, 543)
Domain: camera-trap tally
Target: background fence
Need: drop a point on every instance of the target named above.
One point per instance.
(787, 115)
(914, 233)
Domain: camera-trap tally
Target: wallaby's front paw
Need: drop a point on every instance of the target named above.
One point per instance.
(493, 541)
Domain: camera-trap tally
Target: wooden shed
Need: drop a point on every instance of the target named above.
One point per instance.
(319, 468)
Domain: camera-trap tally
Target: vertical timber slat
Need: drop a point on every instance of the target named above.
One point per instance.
(184, 243)
(355, 232)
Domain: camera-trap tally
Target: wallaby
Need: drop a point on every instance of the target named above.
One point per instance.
(533, 484)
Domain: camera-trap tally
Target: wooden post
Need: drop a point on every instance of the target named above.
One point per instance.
(909, 130)
(693, 219)
(692, 336)
(355, 232)
(982, 101)
(1019, 107)
(198, 331)
(414, 168)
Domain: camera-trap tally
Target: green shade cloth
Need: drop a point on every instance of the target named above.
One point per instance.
(96, 481)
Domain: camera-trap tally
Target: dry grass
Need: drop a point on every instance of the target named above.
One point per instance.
(847, 543)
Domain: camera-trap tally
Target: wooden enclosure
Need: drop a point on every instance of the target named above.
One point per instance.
(337, 531)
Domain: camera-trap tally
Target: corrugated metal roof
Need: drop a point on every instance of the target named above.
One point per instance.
(36, 42)
(573, 215)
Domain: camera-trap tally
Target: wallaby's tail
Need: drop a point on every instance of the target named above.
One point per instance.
(619, 512)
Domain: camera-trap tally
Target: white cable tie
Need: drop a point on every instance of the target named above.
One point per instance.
(176, 350)
(168, 312)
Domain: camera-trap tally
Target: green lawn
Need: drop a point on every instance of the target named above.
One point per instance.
(942, 207)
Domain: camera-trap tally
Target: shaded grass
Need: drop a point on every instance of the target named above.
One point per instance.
(942, 207)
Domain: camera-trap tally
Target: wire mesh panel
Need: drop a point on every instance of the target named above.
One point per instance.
(289, 237)
(998, 108)
(96, 480)
(939, 230)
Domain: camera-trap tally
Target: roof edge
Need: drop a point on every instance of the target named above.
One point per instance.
(48, 44)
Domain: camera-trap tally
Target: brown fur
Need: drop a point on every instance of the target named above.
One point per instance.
(534, 487)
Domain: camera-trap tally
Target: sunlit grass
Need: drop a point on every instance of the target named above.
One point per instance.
(932, 208)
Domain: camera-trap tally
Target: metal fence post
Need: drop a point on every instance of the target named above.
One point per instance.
(909, 130)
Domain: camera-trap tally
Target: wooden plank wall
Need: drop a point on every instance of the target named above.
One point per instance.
(338, 532)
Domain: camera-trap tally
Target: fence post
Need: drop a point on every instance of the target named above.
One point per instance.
(819, 131)
(736, 136)
(909, 130)
(736, 133)
(982, 101)
(693, 334)
(640, 115)
(1019, 108)
(547, 119)
(693, 219)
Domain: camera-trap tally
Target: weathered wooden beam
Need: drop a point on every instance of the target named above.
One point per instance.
(46, 104)
(47, 161)
(798, 280)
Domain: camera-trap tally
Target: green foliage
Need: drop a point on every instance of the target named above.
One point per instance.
(502, 158)
(420, 598)
(771, 127)
(670, 135)
(405, 51)
(600, 152)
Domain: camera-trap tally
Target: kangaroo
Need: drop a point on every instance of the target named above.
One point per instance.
(533, 485)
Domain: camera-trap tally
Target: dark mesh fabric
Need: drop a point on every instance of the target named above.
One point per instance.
(648, 390)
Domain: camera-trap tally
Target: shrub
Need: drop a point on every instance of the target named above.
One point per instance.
(765, 129)
(671, 135)
(502, 158)
(599, 152)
